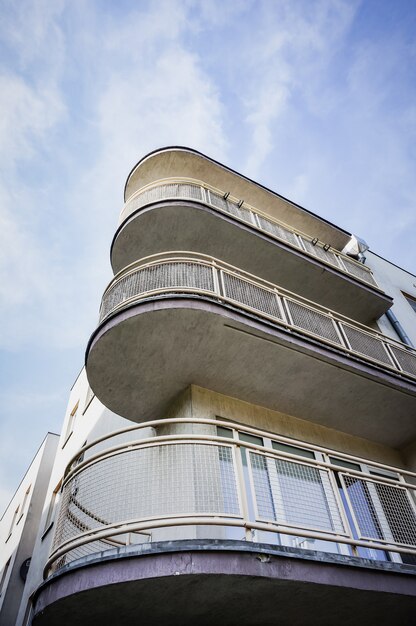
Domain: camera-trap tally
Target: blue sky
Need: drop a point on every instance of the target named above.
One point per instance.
(315, 99)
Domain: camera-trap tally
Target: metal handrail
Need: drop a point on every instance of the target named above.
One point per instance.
(246, 213)
(240, 428)
(341, 330)
(336, 519)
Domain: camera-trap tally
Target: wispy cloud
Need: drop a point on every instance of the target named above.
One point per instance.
(314, 98)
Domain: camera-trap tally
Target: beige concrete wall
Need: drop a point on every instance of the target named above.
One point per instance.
(183, 163)
(208, 404)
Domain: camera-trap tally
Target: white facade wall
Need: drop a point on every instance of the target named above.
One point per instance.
(19, 527)
(395, 281)
(85, 419)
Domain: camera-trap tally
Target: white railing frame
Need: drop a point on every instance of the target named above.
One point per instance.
(255, 214)
(219, 291)
(77, 467)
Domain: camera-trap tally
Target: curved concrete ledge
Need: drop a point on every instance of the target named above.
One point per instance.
(227, 583)
(142, 357)
(183, 225)
(179, 161)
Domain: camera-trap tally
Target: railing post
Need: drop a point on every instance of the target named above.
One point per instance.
(215, 272)
(242, 490)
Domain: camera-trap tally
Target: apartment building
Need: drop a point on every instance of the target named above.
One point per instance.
(240, 447)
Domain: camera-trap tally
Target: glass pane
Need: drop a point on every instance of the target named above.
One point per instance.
(284, 447)
(347, 464)
(224, 432)
(258, 441)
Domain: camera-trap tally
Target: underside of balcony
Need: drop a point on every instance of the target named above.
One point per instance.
(228, 583)
(144, 355)
(185, 225)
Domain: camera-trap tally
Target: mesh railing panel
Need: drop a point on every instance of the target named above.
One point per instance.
(177, 275)
(382, 511)
(294, 494)
(359, 271)
(193, 192)
(81, 551)
(366, 344)
(175, 480)
(230, 207)
(313, 321)
(251, 295)
(218, 201)
(320, 253)
(238, 211)
(406, 359)
(165, 275)
(278, 231)
(163, 192)
(196, 192)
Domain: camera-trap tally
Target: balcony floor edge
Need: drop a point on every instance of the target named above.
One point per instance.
(227, 582)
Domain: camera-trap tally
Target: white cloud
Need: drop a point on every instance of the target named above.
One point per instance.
(26, 115)
(285, 60)
(281, 90)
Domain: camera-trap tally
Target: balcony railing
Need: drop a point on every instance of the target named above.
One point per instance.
(241, 211)
(230, 481)
(173, 273)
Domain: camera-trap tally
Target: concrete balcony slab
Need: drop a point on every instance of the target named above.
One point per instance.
(144, 355)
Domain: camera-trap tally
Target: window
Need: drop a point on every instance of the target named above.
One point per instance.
(284, 447)
(51, 509)
(88, 398)
(375, 510)
(4, 575)
(411, 300)
(22, 510)
(14, 518)
(71, 422)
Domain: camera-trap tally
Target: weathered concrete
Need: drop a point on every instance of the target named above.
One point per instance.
(179, 162)
(143, 357)
(227, 583)
(183, 225)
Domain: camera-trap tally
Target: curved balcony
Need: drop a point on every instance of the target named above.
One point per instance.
(192, 216)
(172, 320)
(132, 507)
(119, 494)
(184, 163)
